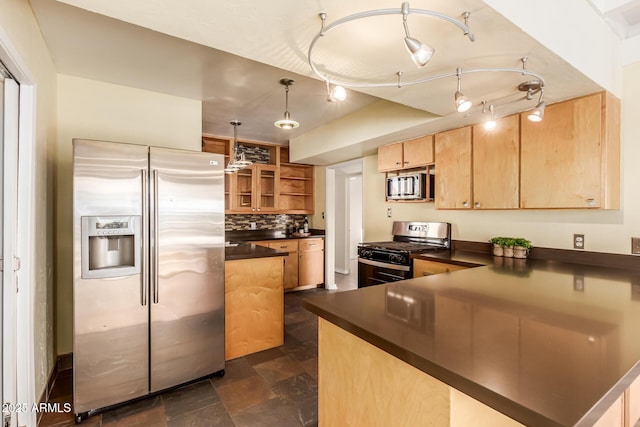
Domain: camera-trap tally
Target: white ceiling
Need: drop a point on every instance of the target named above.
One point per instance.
(231, 55)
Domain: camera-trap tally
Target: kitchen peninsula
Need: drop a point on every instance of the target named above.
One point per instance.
(539, 344)
(254, 299)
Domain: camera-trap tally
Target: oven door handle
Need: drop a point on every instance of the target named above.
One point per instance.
(385, 265)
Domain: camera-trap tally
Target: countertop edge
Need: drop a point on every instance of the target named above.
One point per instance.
(506, 406)
(244, 251)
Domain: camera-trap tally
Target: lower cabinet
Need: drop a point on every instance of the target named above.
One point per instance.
(423, 267)
(304, 266)
(311, 262)
(290, 261)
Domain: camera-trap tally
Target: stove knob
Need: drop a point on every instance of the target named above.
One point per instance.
(365, 253)
(398, 259)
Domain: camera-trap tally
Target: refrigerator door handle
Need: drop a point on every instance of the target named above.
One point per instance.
(155, 238)
(144, 277)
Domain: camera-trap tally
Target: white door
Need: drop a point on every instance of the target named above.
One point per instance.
(8, 225)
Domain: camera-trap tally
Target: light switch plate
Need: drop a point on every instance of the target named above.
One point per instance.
(635, 245)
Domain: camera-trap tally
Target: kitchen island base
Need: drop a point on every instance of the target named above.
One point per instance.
(359, 384)
(254, 305)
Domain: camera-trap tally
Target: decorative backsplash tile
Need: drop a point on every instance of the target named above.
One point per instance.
(263, 222)
(255, 153)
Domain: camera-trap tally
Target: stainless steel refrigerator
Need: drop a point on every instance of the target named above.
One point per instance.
(148, 270)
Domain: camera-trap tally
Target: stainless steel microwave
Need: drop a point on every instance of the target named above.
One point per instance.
(407, 187)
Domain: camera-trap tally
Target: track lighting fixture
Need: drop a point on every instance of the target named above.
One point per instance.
(489, 124)
(335, 76)
(337, 94)
(237, 160)
(537, 114)
(420, 52)
(462, 102)
(286, 122)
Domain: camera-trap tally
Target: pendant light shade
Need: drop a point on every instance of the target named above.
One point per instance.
(286, 123)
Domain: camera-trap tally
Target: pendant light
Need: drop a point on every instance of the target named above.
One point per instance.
(237, 160)
(286, 122)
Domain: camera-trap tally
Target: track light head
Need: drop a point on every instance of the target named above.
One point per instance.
(420, 52)
(462, 102)
(338, 94)
(537, 114)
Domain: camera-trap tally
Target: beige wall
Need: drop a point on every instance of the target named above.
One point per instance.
(319, 193)
(96, 110)
(605, 231)
(20, 34)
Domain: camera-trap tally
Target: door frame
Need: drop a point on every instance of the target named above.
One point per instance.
(351, 167)
(25, 242)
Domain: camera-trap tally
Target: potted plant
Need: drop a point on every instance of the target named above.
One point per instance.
(497, 245)
(507, 246)
(521, 247)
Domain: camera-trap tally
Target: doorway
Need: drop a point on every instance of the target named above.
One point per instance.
(17, 230)
(344, 225)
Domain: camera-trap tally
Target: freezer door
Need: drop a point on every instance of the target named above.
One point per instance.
(110, 315)
(187, 266)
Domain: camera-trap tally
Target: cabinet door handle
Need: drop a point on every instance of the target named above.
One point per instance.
(465, 204)
(591, 202)
(397, 163)
(477, 205)
(312, 244)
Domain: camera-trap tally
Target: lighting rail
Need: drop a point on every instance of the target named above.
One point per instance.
(421, 54)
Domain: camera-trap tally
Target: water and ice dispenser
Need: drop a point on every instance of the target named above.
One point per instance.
(110, 246)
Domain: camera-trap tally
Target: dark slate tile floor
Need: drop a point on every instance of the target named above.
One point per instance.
(276, 387)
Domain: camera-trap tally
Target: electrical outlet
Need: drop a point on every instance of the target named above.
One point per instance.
(578, 241)
(388, 212)
(635, 245)
(252, 225)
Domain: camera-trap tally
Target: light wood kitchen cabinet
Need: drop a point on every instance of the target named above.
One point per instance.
(271, 185)
(571, 159)
(311, 262)
(253, 305)
(423, 267)
(296, 189)
(453, 169)
(409, 154)
(304, 266)
(496, 165)
(254, 189)
(290, 261)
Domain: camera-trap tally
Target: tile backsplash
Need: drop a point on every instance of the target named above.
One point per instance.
(263, 222)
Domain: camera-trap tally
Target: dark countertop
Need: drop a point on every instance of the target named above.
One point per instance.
(236, 251)
(546, 343)
(254, 235)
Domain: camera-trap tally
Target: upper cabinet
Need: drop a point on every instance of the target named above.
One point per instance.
(572, 158)
(569, 160)
(254, 189)
(414, 153)
(496, 165)
(270, 185)
(453, 169)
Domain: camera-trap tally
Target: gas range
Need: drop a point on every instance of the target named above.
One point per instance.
(394, 252)
(382, 262)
